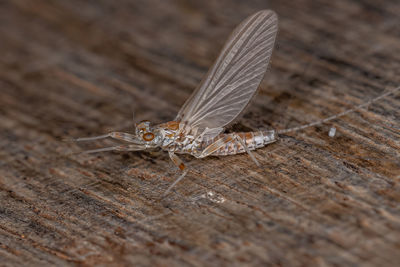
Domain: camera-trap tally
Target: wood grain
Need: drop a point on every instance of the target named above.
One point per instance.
(80, 68)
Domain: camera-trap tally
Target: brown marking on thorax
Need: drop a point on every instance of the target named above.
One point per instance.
(171, 125)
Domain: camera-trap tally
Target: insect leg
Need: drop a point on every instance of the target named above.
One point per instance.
(116, 135)
(178, 163)
(215, 146)
(116, 148)
(247, 150)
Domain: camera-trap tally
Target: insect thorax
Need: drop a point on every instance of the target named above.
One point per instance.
(178, 138)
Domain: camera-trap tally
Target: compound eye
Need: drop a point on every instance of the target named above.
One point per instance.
(148, 136)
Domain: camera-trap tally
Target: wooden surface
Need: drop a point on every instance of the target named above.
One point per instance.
(79, 68)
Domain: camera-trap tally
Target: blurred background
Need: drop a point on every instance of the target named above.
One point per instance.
(112, 58)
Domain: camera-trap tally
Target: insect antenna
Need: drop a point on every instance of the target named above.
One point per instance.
(339, 114)
(133, 120)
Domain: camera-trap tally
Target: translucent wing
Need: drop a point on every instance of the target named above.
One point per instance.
(235, 76)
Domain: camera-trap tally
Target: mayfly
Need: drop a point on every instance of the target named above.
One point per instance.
(224, 92)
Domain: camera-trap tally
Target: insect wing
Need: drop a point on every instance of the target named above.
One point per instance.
(235, 76)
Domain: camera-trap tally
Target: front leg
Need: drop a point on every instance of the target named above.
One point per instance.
(115, 135)
(113, 148)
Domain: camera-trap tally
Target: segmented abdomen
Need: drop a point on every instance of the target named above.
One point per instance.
(233, 145)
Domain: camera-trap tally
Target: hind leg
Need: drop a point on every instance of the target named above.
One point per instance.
(222, 142)
(215, 146)
(240, 140)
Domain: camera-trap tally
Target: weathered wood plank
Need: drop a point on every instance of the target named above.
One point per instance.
(77, 68)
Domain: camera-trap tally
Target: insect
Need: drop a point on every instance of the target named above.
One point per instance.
(222, 95)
